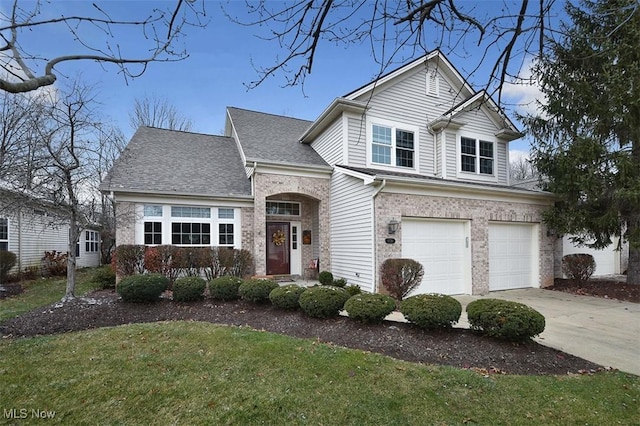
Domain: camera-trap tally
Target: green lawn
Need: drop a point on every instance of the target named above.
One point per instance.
(200, 373)
(43, 292)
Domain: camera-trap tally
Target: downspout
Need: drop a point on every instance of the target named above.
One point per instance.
(373, 226)
(19, 240)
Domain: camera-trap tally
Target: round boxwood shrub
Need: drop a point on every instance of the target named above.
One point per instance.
(325, 278)
(505, 319)
(324, 301)
(256, 291)
(224, 288)
(287, 296)
(369, 307)
(104, 278)
(188, 289)
(431, 310)
(142, 288)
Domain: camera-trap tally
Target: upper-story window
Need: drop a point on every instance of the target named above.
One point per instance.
(477, 156)
(392, 146)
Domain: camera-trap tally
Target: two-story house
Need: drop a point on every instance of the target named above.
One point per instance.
(414, 164)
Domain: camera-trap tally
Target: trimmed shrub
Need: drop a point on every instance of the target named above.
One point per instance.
(400, 276)
(340, 282)
(369, 307)
(142, 288)
(8, 260)
(104, 278)
(256, 291)
(579, 266)
(431, 310)
(323, 301)
(189, 289)
(505, 319)
(287, 296)
(223, 261)
(325, 278)
(224, 288)
(129, 259)
(353, 289)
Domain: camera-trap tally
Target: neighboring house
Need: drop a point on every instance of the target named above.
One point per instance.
(609, 260)
(412, 165)
(29, 227)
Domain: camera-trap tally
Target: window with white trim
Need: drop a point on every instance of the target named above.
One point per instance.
(189, 233)
(477, 156)
(152, 233)
(282, 208)
(195, 212)
(91, 241)
(392, 146)
(226, 227)
(152, 211)
(4, 234)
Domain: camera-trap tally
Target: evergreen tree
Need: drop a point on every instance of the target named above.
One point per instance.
(587, 137)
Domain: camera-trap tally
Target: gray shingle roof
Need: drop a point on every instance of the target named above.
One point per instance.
(273, 138)
(174, 162)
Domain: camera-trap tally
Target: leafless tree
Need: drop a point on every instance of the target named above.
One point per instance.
(521, 169)
(157, 111)
(506, 33)
(97, 35)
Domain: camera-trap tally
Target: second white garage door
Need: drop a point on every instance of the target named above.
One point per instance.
(513, 256)
(442, 247)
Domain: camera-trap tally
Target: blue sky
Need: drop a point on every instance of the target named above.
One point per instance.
(219, 66)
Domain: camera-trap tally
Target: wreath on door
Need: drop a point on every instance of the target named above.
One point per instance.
(278, 238)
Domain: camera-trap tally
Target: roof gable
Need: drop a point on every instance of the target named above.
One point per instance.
(180, 163)
(434, 57)
(272, 138)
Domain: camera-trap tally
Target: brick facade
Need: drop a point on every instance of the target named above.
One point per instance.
(313, 195)
(478, 212)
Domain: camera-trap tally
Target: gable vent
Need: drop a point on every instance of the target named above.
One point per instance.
(433, 83)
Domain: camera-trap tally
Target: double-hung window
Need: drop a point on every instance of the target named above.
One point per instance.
(4, 234)
(393, 146)
(477, 156)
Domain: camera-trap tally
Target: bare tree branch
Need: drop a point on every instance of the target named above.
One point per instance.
(24, 72)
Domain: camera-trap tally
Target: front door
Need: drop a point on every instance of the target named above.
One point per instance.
(278, 254)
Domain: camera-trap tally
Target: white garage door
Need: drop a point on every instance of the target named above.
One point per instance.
(513, 256)
(607, 260)
(441, 246)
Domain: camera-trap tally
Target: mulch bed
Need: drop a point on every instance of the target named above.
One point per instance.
(608, 289)
(458, 347)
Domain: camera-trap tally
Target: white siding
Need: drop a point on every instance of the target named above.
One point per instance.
(32, 235)
(87, 259)
(352, 231)
(329, 144)
(357, 142)
(451, 155)
(406, 102)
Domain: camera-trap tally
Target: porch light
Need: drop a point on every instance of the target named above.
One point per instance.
(393, 226)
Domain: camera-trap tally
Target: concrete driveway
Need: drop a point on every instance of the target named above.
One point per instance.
(604, 331)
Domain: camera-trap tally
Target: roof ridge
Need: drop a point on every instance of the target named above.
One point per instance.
(269, 113)
(184, 131)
